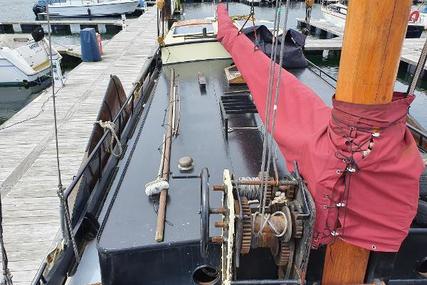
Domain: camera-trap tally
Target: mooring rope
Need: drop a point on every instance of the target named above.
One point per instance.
(110, 126)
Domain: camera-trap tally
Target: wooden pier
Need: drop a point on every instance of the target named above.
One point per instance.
(322, 28)
(102, 26)
(332, 39)
(28, 174)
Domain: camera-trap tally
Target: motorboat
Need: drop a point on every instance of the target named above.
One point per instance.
(86, 8)
(334, 12)
(25, 61)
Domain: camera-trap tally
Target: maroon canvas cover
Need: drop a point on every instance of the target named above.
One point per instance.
(360, 162)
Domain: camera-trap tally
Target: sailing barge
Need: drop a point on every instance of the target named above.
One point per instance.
(197, 183)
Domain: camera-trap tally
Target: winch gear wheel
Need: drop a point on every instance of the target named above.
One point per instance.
(247, 227)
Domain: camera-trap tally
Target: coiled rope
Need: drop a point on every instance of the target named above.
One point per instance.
(110, 126)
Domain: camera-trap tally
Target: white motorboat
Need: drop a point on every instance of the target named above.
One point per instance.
(335, 12)
(92, 8)
(24, 61)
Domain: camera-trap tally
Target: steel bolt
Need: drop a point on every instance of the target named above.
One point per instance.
(221, 224)
(222, 211)
(217, 239)
(219, 188)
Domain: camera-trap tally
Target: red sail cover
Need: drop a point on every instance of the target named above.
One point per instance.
(360, 162)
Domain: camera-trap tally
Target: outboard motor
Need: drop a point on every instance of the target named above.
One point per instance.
(39, 7)
(38, 34)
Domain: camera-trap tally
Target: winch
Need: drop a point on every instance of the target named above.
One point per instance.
(260, 213)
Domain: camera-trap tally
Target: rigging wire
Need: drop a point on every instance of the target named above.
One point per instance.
(65, 214)
(420, 67)
(7, 276)
(268, 140)
(268, 99)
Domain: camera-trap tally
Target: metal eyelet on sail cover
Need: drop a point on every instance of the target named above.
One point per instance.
(351, 169)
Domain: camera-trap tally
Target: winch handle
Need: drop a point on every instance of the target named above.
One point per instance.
(204, 212)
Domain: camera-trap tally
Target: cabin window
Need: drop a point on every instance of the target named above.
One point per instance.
(423, 9)
(192, 30)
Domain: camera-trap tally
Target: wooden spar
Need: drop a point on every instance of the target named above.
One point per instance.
(375, 30)
(373, 40)
(161, 214)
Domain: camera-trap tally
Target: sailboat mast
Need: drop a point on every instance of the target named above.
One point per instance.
(374, 34)
(370, 58)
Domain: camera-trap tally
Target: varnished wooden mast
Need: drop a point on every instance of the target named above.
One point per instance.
(373, 39)
(374, 34)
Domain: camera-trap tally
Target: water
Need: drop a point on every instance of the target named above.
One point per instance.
(22, 9)
(330, 64)
(13, 99)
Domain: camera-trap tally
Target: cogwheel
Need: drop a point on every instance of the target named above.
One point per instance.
(290, 192)
(298, 225)
(284, 255)
(247, 227)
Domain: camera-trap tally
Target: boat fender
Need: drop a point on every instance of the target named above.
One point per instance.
(414, 16)
(38, 34)
(156, 186)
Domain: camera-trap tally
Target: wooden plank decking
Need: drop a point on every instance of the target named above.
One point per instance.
(410, 53)
(28, 175)
(411, 50)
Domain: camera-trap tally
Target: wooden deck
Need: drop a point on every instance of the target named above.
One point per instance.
(28, 176)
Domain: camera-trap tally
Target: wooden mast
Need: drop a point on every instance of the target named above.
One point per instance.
(374, 34)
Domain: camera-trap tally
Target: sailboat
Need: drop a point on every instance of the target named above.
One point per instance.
(228, 169)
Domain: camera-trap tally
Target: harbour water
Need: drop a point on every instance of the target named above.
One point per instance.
(22, 10)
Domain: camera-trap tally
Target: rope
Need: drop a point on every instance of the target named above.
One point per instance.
(7, 277)
(252, 192)
(110, 126)
(69, 227)
(266, 219)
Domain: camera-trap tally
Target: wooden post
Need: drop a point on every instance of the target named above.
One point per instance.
(375, 30)
(370, 58)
